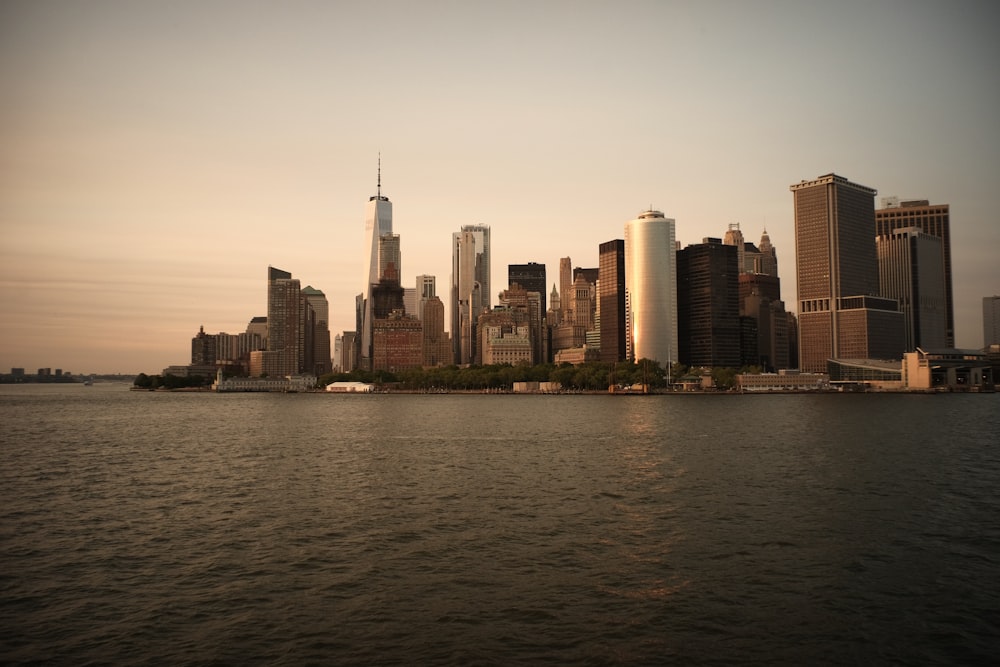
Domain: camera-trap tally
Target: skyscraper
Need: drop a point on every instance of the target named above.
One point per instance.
(531, 277)
(318, 354)
(991, 321)
(841, 315)
(708, 312)
(389, 258)
(285, 351)
(931, 219)
(470, 288)
(378, 222)
(651, 280)
(565, 285)
(426, 289)
(611, 299)
(437, 346)
(911, 270)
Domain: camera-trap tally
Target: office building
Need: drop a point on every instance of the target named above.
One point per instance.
(389, 258)
(378, 222)
(531, 277)
(651, 283)
(397, 342)
(565, 285)
(470, 288)
(841, 315)
(504, 333)
(991, 321)
(525, 307)
(204, 349)
(933, 219)
(437, 343)
(426, 289)
(764, 341)
(284, 351)
(611, 300)
(911, 270)
(708, 305)
(349, 351)
(318, 354)
(338, 353)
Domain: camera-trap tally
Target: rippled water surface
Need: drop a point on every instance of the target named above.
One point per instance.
(152, 528)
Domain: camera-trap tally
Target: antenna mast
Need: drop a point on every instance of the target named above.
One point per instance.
(379, 191)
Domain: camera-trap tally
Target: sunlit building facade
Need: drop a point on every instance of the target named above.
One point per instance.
(470, 288)
(651, 281)
(841, 314)
(611, 300)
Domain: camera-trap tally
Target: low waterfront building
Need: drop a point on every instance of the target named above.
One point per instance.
(783, 381)
(883, 374)
(536, 387)
(287, 384)
(947, 369)
(578, 355)
(350, 388)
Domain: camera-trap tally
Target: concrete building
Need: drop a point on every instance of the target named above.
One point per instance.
(526, 307)
(708, 308)
(397, 342)
(338, 354)
(436, 342)
(783, 381)
(933, 219)
(505, 335)
(506, 345)
(285, 349)
(651, 282)
(841, 314)
(426, 289)
(349, 352)
(203, 349)
(991, 321)
(947, 370)
(911, 271)
(764, 337)
(470, 288)
(565, 286)
(298, 334)
(554, 314)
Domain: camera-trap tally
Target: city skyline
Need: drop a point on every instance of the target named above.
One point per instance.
(156, 157)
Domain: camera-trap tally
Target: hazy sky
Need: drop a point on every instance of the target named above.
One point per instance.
(156, 157)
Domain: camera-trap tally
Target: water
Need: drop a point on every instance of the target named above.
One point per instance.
(149, 528)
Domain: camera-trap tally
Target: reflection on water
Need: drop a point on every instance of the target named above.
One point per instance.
(155, 528)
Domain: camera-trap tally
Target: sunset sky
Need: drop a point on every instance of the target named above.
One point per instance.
(156, 157)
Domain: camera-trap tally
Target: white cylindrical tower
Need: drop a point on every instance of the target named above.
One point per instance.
(651, 284)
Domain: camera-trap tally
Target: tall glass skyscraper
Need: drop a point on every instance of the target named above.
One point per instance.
(933, 219)
(611, 300)
(651, 282)
(911, 270)
(378, 222)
